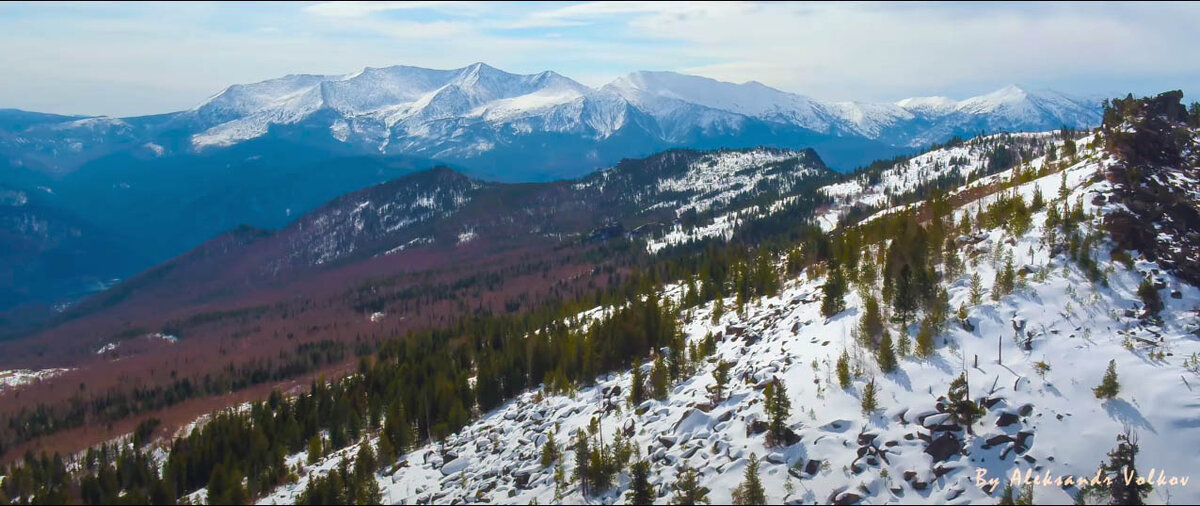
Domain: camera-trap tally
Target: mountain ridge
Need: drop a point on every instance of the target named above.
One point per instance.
(469, 112)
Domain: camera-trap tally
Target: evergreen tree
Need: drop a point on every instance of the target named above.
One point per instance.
(871, 326)
(218, 486)
(906, 296)
(1109, 386)
(720, 380)
(925, 339)
(314, 449)
(1122, 468)
(582, 461)
(637, 384)
(869, 403)
(834, 301)
(903, 345)
(778, 407)
(751, 490)
(886, 355)
(1006, 498)
(640, 490)
(687, 489)
(659, 378)
(963, 411)
(365, 486)
(1005, 279)
(1150, 296)
(550, 451)
(1025, 498)
(843, 369)
(385, 450)
(976, 290)
(718, 310)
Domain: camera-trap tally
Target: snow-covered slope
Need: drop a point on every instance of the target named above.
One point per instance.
(1041, 421)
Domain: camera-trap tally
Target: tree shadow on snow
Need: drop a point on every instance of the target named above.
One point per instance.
(1124, 412)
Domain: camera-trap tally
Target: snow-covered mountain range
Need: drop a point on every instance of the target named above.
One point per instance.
(480, 116)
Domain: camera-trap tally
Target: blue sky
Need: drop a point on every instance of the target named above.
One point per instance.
(129, 59)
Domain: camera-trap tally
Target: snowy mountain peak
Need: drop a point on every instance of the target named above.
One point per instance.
(479, 115)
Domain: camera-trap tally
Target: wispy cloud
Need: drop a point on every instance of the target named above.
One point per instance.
(141, 58)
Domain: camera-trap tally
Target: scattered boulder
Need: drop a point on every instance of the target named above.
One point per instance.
(756, 427)
(1007, 419)
(943, 447)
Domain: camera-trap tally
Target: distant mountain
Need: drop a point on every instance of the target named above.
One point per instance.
(484, 118)
(261, 154)
(442, 219)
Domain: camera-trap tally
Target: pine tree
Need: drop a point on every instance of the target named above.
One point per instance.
(843, 369)
(314, 450)
(871, 325)
(1109, 386)
(718, 310)
(1005, 279)
(720, 380)
(833, 301)
(640, 490)
(687, 489)
(778, 408)
(887, 354)
(963, 411)
(550, 451)
(582, 461)
(925, 339)
(1150, 297)
(976, 290)
(386, 452)
(659, 378)
(1122, 467)
(218, 486)
(366, 488)
(1006, 498)
(1025, 498)
(903, 345)
(905, 296)
(869, 403)
(637, 384)
(751, 490)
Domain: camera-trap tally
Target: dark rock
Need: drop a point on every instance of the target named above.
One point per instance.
(812, 467)
(1007, 419)
(521, 479)
(756, 427)
(943, 447)
(997, 441)
(1026, 410)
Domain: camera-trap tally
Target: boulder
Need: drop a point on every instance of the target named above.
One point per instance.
(812, 467)
(943, 447)
(1007, 419)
